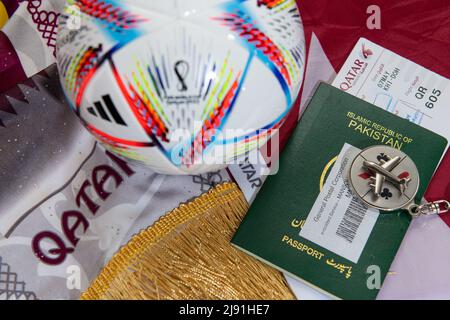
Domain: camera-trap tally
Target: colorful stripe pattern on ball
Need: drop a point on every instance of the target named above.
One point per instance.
(110, 14)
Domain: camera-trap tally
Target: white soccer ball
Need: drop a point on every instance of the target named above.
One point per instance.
(184, 87)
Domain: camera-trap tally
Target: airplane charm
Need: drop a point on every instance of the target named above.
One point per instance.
(383, 172)
(377, 171)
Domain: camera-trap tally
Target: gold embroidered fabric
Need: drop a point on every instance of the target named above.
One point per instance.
(187, 255)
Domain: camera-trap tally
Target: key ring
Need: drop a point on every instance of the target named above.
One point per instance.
(428, 209)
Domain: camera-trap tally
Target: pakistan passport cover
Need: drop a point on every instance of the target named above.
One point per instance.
(306, 221)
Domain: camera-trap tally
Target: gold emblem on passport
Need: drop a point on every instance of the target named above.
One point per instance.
(384, 178)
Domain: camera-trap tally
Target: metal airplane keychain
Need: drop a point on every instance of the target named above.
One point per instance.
(387, 179)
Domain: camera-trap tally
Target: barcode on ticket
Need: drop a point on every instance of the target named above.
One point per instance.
(353, 217)
(339, 223)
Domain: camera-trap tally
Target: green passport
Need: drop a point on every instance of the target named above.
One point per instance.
(345, 260)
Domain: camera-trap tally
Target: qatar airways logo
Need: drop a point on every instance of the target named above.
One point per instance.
(366, 52)
(358, 68)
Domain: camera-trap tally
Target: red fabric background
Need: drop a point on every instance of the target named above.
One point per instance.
(416, 29)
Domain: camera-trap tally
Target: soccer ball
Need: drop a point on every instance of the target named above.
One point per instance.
(184, 87)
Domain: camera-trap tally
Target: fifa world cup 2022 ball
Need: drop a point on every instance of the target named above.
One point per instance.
(181, 86)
